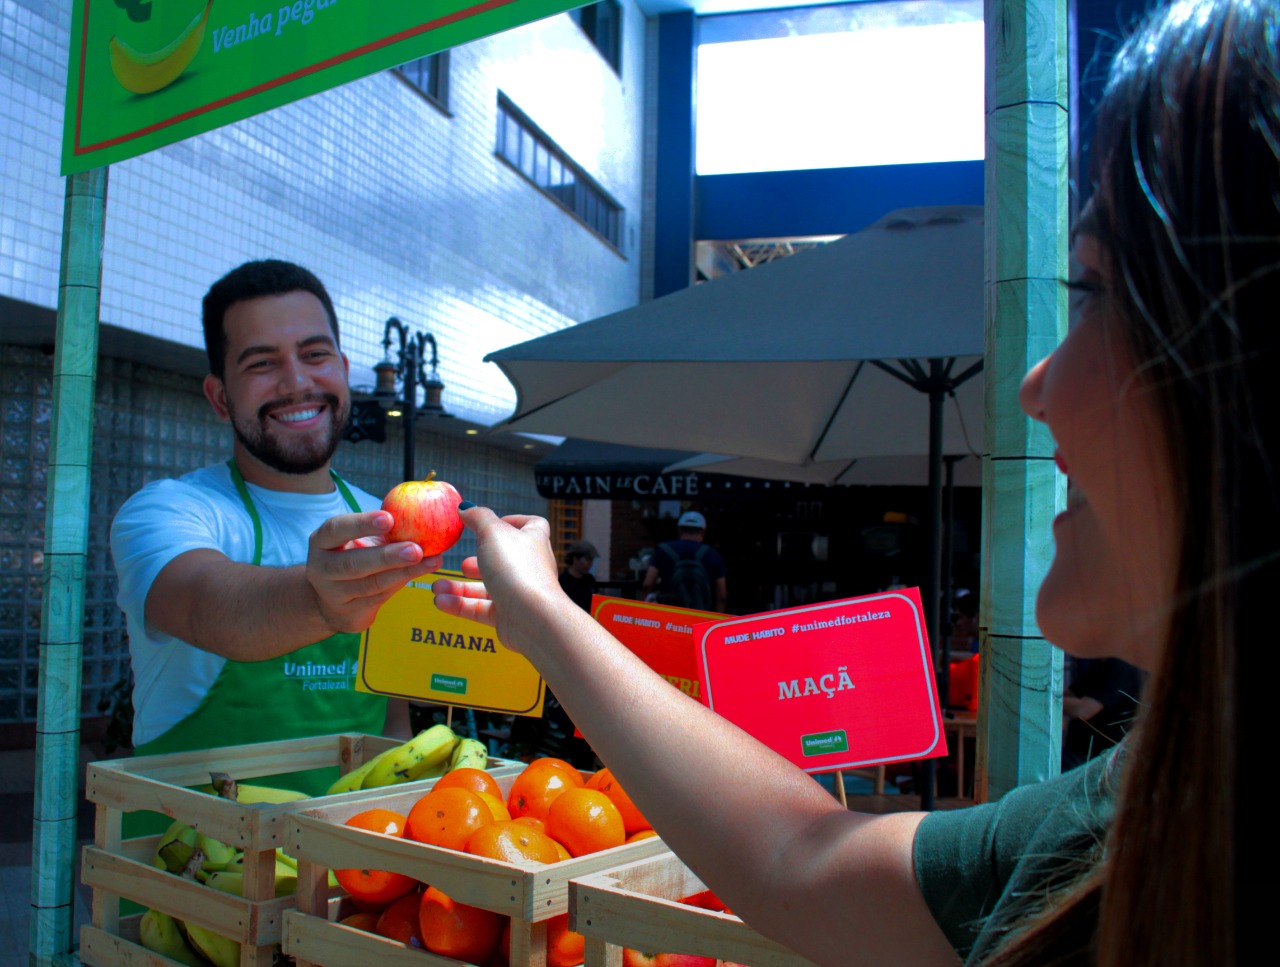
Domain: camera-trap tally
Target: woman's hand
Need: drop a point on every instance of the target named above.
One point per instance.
(518, 568)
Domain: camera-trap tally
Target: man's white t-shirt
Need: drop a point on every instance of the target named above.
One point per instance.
(199, 510)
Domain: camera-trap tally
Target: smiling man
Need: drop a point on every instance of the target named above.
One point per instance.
(246, 583)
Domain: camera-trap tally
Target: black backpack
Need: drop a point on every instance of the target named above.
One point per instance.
(690, 583)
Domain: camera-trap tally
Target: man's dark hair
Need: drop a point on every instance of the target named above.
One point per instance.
(252, 281)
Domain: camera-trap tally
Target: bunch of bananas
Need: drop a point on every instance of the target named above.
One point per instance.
(187, 852)
(428, 755)
(184, 851)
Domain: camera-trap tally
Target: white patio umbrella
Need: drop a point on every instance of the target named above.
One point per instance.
(846, 351)
(904, 471)
(820, 356)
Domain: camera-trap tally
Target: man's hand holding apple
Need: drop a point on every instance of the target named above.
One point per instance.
(352, 570)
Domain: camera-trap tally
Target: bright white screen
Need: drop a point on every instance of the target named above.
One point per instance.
(866, 97)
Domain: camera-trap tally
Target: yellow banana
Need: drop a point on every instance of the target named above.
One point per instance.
(226, 787)
(285, 858)
(143, 72)
(349, 782)
(180, 842)
(469, 754)
(216, 949)
(283, 869)
(227, 882)
(431, 772)
(413, 759)
(251, 794)
(160, 932)
(176, 846)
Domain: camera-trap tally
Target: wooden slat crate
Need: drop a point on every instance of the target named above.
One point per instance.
(529, 894)
(638, 905)
(117, 868)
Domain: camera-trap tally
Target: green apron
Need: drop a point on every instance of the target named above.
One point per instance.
(306, 692)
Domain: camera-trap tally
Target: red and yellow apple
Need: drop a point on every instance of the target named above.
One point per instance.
(425, 512)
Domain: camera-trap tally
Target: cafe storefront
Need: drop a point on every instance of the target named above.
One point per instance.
(784, 543)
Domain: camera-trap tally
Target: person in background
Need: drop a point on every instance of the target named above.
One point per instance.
(245, 584)
(576, 580)
(1159, 403)
(687, 572)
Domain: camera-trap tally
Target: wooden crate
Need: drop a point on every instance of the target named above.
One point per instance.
(117, 868)
(530, 894)
(638, 905)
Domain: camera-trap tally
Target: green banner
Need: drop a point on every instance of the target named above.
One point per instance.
(143, 74)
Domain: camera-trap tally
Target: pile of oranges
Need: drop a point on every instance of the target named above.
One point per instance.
(550, 814)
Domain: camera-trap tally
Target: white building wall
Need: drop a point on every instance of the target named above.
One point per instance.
(400, 209)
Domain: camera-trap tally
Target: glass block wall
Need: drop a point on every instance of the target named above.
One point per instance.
(150, 424)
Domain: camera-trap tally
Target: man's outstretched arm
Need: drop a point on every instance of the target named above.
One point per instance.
(248, 612)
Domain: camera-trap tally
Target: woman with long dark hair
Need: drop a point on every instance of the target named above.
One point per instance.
(1168, 556)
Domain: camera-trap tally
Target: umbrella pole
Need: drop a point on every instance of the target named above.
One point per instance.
(948, 580)
(933, 573)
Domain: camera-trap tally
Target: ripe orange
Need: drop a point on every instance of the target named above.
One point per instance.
(447, 817)
(496, 806)
(705, 899)
(640, 834)
(376, 888)
(632, 819)
(562, 854)
(385, 821)
(513, 842)
(564, 947)
(551, 762)
(536, 788)
(477, 780)
(456, 930)
(585, 821)
(400, 921)
(532, 821)
(363, 920)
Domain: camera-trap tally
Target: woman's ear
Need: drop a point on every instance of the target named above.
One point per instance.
(215, 391)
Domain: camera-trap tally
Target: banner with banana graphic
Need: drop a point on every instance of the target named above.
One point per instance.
(143, 74)
(414, 651)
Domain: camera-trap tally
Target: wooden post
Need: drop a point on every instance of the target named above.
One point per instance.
(65, 545)
(1020, 692)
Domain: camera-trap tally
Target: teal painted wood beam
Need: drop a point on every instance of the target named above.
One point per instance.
(1020, 689)
(66, 542)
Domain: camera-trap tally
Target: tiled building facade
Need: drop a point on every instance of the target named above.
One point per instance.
(402, 205)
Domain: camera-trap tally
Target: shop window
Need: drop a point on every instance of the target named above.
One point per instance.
(429, 76)
(602, 23)
(524, 146)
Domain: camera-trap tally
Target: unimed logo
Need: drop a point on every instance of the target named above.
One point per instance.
(449, 683)
(820, 743)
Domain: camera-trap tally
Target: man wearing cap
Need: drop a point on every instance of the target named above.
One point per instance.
(576, 579)
(687, 571)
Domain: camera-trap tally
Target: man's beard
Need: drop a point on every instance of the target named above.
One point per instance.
(303, 455)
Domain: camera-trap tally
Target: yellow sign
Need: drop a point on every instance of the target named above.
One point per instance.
(412, 650)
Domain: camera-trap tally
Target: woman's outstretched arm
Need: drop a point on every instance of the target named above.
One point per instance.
(837, 886)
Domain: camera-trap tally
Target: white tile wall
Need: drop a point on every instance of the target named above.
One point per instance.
(400, 209)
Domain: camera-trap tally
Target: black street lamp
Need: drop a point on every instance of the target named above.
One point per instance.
(410, 367)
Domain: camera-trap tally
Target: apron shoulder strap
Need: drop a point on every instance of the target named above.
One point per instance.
(243, 491)
(346, 492)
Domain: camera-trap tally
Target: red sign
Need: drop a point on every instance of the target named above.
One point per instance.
(659, 634)
(839, 685)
